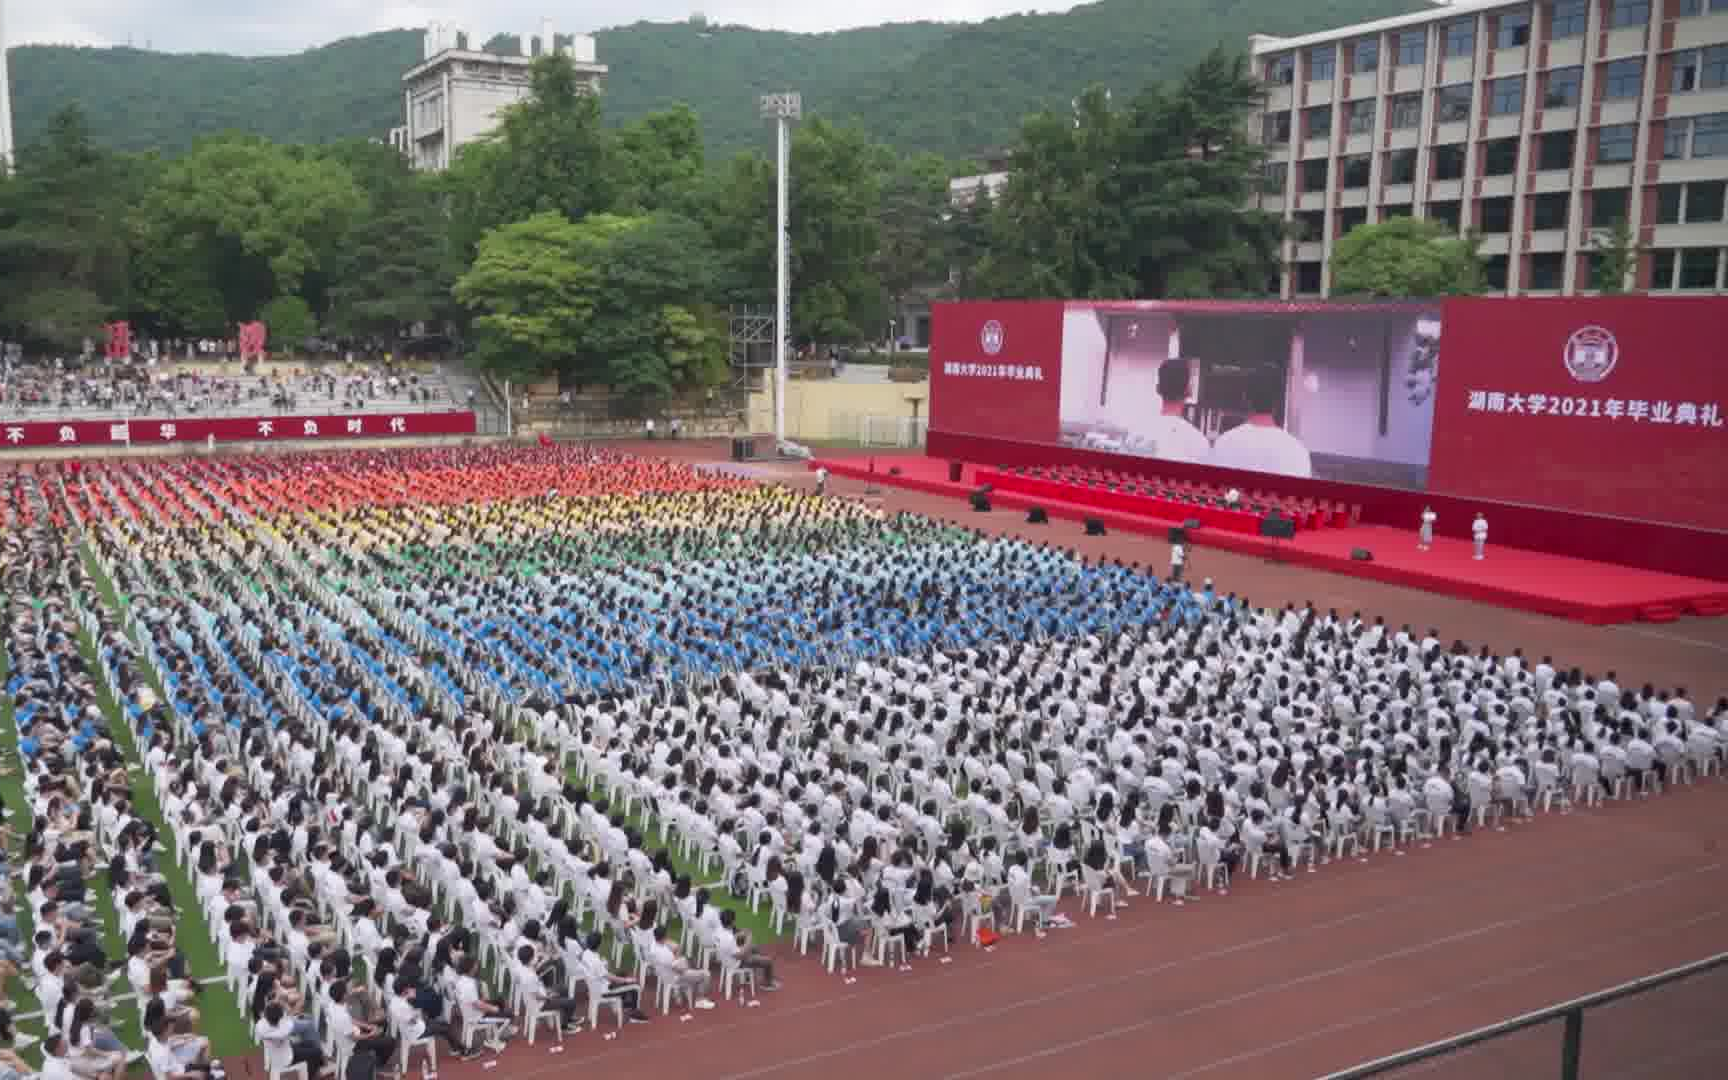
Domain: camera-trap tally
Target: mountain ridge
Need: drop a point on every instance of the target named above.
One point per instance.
(953, 88)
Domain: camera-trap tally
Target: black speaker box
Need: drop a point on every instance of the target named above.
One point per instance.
(1094, 527)
(980, 502)
(1361, 554)
(1277, 528)
(1037, 516)
(954, 468)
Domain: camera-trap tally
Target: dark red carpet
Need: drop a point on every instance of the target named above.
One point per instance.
(1591, 592)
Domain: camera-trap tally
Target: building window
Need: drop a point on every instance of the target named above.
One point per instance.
(1699, 7)
(1406, 111)
(1322, 62)
(1628, 12)
(1365, 55)
(1412, 47)
(1314, 173)
(1353, 171)
(1310, 224)
(1609, 205)
(1461, 37)
(1696, 137)
(1359, 116)
(1506, 96)
(1449, 212)
(1670, 201)
(1452, 103)
(1698, 267)
(1616, 143)
(1623, 79)
(1704, 201)
(1700, 69)
(1514, 30)
(1567, 18)
(1281, 70)
(1554, 150)
(1500, 157)
(1547, 271)
(1563, 87)
(1495, 215)
(1277, 175)
(1275, 128)
(1399, 167)
(1393, 211)
(1549, 209)
(1351, 217)
(1662, 263)
(1308, 277)
(1449, 161)
(1495, 270)
(1317, 122)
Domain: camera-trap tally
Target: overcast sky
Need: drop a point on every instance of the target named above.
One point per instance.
(253, 27)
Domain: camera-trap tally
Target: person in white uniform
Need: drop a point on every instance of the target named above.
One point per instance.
(1178, 556)
(1258, 442)
(1479, 533)
(1174, 437)
(822, 481)
(1425, 538)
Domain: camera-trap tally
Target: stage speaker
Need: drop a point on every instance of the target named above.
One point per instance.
(893, 470)
(1094, 527)
(1178, 534)
(1037, 516)
(1277, 528)
(981, 501)
(954, 468)
(1361, 554)
(1191, 524)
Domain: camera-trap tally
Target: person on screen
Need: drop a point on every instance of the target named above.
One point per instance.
(1174, 437)
(1479, 534)
(1425, 538)
(1258, 442)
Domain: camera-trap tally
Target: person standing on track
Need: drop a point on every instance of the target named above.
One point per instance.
(1479, 534)
(822, 480)
(1425, 537)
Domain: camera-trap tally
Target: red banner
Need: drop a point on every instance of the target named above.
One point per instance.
(996, 369)
(165, 431)
(119, 340)
(1607, 405)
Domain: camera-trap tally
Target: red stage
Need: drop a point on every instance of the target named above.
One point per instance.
(1591, 592)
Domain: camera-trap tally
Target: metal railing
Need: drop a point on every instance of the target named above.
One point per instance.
(1640, 1036)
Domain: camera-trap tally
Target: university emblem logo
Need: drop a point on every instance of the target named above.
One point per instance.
(1591, 353)
(992, 337)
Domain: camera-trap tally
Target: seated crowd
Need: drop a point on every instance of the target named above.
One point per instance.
(37, 393)
(446, 762)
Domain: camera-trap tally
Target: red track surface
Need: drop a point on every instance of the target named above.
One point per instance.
(1295, 979)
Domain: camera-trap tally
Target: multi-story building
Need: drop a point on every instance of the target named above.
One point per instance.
(453, 96)
(5, 99)
(1538, 124)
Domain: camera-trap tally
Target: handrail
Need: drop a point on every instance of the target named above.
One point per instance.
(1573, 1011)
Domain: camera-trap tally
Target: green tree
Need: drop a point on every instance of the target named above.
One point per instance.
(658, 160)
(915, 244)
(608, 300)
(1617, 252)
(548, 154)
(395, 265)
(289, 322)
(1406, 257)
(65, 259)
(247, 221)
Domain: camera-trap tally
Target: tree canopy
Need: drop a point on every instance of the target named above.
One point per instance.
(1406, 257)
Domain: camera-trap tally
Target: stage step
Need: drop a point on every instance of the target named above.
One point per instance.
(1658, 613)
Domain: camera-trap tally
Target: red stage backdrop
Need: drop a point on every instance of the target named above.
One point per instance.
(110, 433)
(1604, 405)
(996, 369)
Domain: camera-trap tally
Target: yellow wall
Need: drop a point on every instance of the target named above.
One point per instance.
(821, 409)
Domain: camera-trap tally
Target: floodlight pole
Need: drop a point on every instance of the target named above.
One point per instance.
(783, 109)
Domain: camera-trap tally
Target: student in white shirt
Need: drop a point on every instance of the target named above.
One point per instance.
(171, 1056)
(663, 957)
(1479, 534)
(1178, 556)
(1174, 437)
(1425, 537)
(1259, 444)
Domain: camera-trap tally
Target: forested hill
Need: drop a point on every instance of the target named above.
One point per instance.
(955, 88)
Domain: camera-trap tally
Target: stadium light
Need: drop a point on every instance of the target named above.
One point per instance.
(783, 109)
